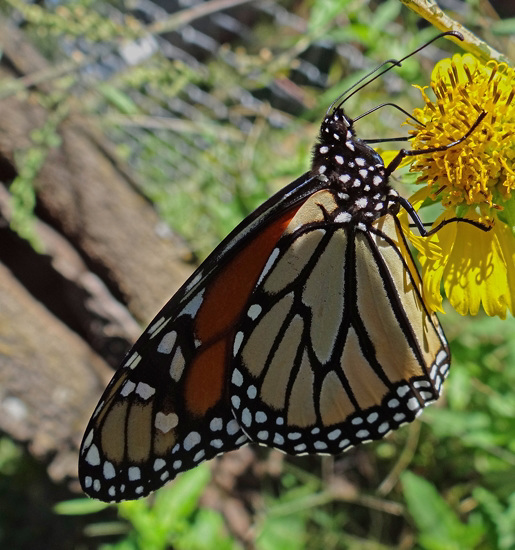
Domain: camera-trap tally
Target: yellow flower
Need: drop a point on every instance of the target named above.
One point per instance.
(473, 180)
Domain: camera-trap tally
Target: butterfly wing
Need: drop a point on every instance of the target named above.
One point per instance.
(337, 346)
(167, 408)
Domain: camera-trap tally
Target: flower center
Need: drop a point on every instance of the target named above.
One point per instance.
(480, 171)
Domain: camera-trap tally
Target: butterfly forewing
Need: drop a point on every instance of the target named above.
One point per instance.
(167, 409)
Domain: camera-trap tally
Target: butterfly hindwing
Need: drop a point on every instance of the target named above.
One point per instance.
(337, 347)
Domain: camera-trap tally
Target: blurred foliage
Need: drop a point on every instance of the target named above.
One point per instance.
(445, 482)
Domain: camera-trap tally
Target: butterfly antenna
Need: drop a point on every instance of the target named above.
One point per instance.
(398, 107)
(394, 63)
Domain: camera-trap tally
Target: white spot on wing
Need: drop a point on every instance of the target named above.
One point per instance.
(134, 473)
(216, 424)
(87, 441)
(254, 311)
(241, 439)
(335, 434)
(93, 457)
(413, 404)
(278, 439)
(127, 388)
(269, 263)
(166, 422)
(383, 427)
(260, 417)
(167, 342)
(199, 456)
(193, 305)
(402, 391)
(159, 464)
(133, 360)
(193, 281)
(177, 366)
(192, 439)
(372, 417)
(232, 427)
(441, 357)
(145, 391)
(343, 217)
(246, 417)
(156, 327)
(109, 471)
(238, 339)
(237, 378)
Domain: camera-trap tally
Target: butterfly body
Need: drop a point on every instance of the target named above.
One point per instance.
(305, 330)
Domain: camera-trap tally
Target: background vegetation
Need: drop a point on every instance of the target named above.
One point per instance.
(445, 482)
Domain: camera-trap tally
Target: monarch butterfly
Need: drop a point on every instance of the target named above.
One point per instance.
(305, 330)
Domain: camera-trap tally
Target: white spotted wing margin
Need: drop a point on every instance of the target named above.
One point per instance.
(338, 346)
(140, 437)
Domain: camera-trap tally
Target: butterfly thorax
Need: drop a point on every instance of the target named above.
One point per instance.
(353, 170)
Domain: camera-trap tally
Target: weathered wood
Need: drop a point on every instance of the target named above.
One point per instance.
(49, 379)
(106, 261)
(85, 197)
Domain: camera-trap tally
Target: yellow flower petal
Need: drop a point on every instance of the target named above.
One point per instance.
(476, 268)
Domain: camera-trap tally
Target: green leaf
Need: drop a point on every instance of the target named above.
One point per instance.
(439, 527)
(79, 507)
(501, 516)
(180, 499)
(282, 532)
(207, 532)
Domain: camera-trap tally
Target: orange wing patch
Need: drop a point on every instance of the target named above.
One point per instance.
(222, 307)
(227, 295)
